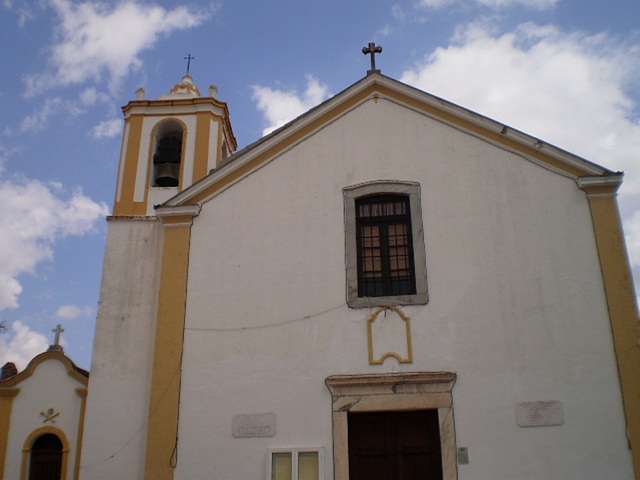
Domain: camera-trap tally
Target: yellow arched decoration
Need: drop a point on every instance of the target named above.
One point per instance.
(26, 450)
(73, 371)
(407, 323)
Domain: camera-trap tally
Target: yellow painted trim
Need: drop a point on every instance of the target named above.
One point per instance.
(407, 323)
(601, 190)
(26, 450)
(165, 382)
(623, 313)
(176, 102)
(82, 393)
(221, 145)
(203, 139)
(492, 135)
(131, 160)
(277, 148)
(72, 370)
(6, 403)
(225, 117)
(370, 92)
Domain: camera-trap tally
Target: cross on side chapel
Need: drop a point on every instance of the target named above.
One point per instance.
(56, 347)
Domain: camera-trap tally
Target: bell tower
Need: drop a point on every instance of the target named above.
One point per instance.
(169, 144)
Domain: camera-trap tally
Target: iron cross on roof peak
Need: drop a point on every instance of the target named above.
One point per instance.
(188, 58)
(58, 330)
(372, 50)
(56, 347)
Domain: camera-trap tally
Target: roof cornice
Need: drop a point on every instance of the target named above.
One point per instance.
(375, 87)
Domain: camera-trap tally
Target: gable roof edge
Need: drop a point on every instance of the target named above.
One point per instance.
(79, 374)
(285, 137)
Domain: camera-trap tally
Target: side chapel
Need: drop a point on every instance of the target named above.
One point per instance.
(42, 412)
(388, 287)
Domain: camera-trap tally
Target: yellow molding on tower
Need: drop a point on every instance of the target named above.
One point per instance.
(162, 434)
(203, 139)
(82, 393)
(125, 205)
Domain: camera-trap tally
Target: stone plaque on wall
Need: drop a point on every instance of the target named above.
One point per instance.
(253, 425)
(539, 414)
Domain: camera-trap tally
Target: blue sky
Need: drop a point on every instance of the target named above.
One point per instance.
(565, 71)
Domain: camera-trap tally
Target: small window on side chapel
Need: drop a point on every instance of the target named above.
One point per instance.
(384, 245)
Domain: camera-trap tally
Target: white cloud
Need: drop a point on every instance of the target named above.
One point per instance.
(70, 312)
(90, 96)
(279, 107)
(496, 4)
(398, 12)
(24, 9)
(436, 3)
(86, 45)
(53, 106)
(37, 121)
(107, 129)
(569, 89)
(5, 153)
(20, 344)
(34, 216)
(386, 30)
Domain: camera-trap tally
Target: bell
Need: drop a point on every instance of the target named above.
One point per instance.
(167, 174)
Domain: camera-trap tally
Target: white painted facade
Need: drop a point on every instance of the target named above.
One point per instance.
(516, 306)
(517, 310)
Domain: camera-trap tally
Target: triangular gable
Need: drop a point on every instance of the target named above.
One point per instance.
(374, 87)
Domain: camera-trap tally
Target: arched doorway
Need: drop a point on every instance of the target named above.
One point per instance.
(46, 458)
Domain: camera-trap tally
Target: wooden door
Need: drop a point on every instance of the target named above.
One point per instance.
(46, 458)
(395, 446)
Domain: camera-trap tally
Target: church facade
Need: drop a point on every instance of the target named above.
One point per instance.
(388, 287)
(388, 283)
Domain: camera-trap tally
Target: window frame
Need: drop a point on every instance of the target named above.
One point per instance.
(392, 392)
(295, 451)
(383, 253)
(385, 187)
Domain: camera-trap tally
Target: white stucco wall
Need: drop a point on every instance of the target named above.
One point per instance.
(516, 306)
(49, 387)
(117, 406)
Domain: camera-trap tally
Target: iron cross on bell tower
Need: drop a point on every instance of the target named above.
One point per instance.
(188, 58)
(372, 50)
